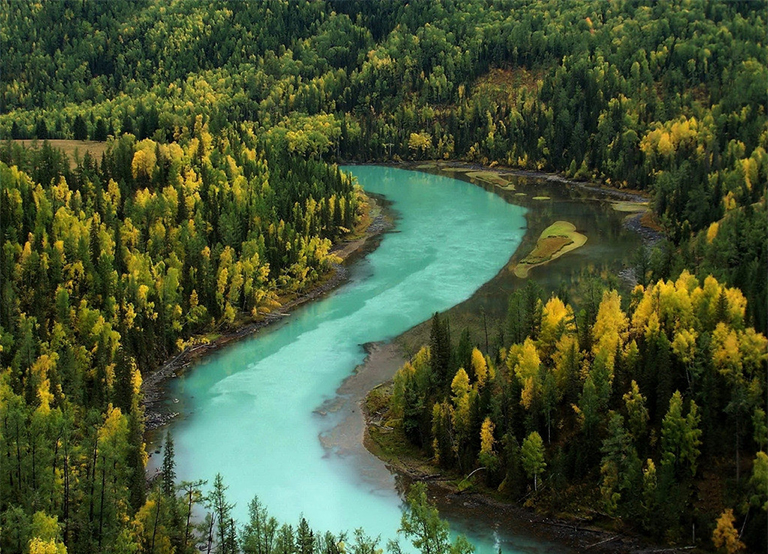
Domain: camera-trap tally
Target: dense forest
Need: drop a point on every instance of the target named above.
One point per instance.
(216, 197)
(107, 270)
(667, 97)
(630, 410)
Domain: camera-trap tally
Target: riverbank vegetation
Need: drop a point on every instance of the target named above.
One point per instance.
(107, 270)
(648, 418)
(214, 196)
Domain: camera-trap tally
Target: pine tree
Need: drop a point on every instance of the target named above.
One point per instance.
(79, 128)
(216, 500)
(421, 523)
(260, 531)
(41, 130)
(440, 350)
(169, 467)
(680, 436)
(305, 538)
(620, 467)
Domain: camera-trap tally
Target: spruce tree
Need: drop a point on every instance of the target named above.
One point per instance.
(169, 466)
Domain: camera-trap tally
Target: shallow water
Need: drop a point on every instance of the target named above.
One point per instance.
(253, 409)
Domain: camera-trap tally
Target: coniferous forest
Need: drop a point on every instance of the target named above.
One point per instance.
(218, 196)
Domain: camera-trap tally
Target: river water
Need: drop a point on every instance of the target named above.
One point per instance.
(252, 411)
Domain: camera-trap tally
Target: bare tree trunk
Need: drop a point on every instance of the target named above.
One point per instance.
(33, 448)
(66, 494)
(93, 473)
(103, 487)
(189, 516)
(154, 529)
(18, 455)
(55, 459)
(210, 534)
(738, 429)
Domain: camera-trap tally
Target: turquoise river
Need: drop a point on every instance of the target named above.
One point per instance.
(252, 410)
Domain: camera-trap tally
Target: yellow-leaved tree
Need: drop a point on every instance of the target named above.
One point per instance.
(725, 537)
(46, 535)
(527, 371)
(480, 367)
(610, 328)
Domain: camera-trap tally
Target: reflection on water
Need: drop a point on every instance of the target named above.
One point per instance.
(610, 247)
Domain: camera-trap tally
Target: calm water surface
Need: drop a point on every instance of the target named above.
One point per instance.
(251, 410)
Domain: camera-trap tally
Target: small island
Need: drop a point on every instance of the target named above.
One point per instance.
(559, 238)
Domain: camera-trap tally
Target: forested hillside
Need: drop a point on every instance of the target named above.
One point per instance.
(106, 271)
(668, 97)
(216, 196)
(654, 417)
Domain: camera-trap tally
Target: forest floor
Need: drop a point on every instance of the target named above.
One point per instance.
(377, 219)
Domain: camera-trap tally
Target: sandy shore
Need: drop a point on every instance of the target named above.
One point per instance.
(347, 438)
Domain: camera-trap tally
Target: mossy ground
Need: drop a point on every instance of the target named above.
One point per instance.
(384, 437)
(492, 178)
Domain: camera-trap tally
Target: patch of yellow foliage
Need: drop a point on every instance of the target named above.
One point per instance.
(725, 537)
(486, 437)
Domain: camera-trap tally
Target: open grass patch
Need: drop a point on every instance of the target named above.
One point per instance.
(559, 238)
(541, 198)
(384, 435)
(71, 148)
(502, 85)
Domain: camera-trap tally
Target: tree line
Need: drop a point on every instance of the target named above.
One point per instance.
(169, 521)
(216, 198)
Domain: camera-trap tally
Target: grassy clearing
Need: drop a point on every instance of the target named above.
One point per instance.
(453, 169)
(649, 220)
(559, 238)
(384, 437)
(72, 148)
(502, 85)
(541, 198)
